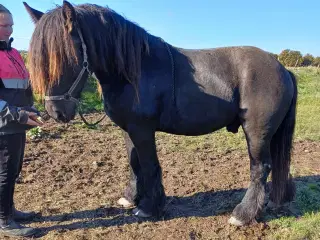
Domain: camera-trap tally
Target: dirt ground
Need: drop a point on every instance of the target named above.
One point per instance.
(74, 177)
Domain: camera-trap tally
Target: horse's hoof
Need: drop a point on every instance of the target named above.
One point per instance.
(140, 213)
(125, 203)
(236, 222)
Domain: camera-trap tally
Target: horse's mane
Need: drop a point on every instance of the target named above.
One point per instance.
(114, 44)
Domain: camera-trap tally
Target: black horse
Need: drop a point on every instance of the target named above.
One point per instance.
(149, 85)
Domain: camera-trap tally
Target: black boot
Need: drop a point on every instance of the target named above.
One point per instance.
(22, 216)
(11, 228)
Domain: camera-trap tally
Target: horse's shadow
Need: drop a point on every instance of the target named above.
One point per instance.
(203, 204)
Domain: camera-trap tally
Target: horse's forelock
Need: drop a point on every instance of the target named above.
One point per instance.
(50, 48)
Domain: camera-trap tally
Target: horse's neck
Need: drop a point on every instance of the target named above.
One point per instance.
(108, 81)
(158, 48)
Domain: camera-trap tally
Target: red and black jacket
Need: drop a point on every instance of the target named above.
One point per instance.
(15, 91)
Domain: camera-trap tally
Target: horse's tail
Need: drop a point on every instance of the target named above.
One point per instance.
(283, 188)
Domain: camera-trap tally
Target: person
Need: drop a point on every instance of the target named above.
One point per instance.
(17, 115)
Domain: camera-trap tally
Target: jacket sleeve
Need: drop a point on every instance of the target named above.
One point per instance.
(11, 114)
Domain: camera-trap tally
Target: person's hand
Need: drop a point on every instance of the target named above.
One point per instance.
(34, 119)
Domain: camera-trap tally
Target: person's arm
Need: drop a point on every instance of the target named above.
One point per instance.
(11, 113)
(14, 114)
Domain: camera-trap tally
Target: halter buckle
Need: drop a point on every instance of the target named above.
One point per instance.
(67, 96)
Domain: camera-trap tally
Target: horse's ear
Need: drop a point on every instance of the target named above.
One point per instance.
(69, 15)
(34, 14)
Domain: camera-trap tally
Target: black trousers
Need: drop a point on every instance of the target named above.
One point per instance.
(11, 158)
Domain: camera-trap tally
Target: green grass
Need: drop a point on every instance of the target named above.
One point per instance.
(307, 227)
(38, 103)
(90, 102)
(90, 99)
(221, 141)
(308, 108)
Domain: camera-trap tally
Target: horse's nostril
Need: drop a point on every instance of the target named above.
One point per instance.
(60, 116)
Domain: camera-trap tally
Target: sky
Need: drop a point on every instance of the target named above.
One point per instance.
(273, 25)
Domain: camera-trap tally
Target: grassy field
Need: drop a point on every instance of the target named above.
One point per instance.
(308, 113)
(307, 225)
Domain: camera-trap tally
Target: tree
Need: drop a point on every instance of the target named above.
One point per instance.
(295, 59)
(307, 60)
(316, 62)
(24, 55)
(291, 58)
(283, 56)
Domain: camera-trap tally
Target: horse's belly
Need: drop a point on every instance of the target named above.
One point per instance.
(193, 128)
(199, 119)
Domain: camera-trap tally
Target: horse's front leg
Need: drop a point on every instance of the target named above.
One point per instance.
(150, 189)
(131, 193)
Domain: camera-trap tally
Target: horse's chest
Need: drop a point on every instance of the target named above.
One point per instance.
(115, 112)
(115, 105)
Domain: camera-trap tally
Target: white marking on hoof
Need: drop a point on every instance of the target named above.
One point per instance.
(235, 222)
(139, 213)
(125, 203)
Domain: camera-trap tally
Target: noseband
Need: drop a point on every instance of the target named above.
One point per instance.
(68, 96)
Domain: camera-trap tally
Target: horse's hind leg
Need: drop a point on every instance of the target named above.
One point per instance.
(258, 140)
(131, 196)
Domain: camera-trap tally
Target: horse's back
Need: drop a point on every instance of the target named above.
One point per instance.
(243, 71)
